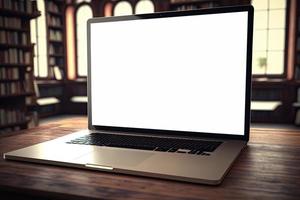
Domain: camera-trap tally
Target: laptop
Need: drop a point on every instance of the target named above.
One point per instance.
(168, 97)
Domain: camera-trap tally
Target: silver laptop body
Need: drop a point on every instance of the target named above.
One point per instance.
(173, 80)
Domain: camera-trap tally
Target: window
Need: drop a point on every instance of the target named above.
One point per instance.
(269, 37)
(84, 12)
(38, 37)
(123, 8)
(144, 6)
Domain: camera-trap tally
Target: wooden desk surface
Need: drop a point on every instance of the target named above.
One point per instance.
(269, 168)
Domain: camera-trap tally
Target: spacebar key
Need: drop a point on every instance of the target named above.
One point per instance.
(132, 147)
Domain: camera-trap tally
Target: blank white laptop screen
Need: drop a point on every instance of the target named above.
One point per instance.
(178, 73)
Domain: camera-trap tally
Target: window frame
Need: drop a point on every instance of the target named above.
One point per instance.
(38, 77)
(77, 6)
(114, 3)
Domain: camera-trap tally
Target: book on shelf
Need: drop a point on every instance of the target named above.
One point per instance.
(55, 35)
(15, 56)
(30, 100)
(33, 119)
(186, 7)
(53, 7)
(10, 22)
(55, 72)
(28, 84)
(17, 5)
(55, 49)
(9, 129)
(9, 73)
(11, 88)
(56, 61)
(54, 21)
(13, 37)
(11, 116)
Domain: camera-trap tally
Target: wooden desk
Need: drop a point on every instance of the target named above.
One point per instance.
(268, 169)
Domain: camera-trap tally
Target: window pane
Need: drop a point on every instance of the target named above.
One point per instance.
(259, 62)
(82, 15)
(33, 37)
(38, 36)
(275, 62)
(274, 4)
(123, 8)
(276, 39)
(261, 19)
(80, 1)
(144, 6)
(260, 40)
(260, 4)
(277, 19)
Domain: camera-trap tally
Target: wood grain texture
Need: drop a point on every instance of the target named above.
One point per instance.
(269, 168)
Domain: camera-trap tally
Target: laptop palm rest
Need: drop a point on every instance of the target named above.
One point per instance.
(111, 158)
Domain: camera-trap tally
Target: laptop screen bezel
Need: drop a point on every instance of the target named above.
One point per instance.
(247, 117)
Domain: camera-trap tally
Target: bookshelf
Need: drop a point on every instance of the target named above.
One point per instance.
(192, 4)
(17, 96)
(52, 86)
(55, 32)
(198, 4)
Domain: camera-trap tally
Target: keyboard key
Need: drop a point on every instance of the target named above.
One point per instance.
(161, 149)
(183, 150)
(193, 151)
(173, 150)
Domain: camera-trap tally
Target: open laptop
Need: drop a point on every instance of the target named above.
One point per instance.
(168, 96)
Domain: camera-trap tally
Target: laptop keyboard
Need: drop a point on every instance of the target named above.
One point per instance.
(198, 147)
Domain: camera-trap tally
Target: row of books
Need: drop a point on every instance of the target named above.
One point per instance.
(55, 35)
(15, 56)
(10, 22)
(11, 88)
(13, 37)
(17, 5)
(9, 73)
(55, 72)
(55, 49)
(56, 61)
(27, 84)
(11, 116)
(186, 7)
(16, 87)
(54, 21)
(53, 7)
(188, 1)
(9, 129)
(182, 1)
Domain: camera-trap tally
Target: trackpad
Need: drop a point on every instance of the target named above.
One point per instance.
(115, 157)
